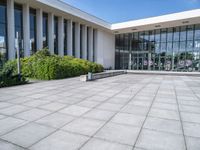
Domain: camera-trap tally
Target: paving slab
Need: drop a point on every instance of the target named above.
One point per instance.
(126, 112)
(104, 145)
(61, 141)
(153, 140)
(119, 133)
(84, 126)
(27, 135)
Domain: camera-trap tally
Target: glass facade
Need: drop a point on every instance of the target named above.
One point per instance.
(73, 38)
(19, 28)
(88, 43)
(65, 37)
(168, 49)
(81, 41)
(55, 35)
(93, 46)
(3, 33)
(33, 30)
(45, 30)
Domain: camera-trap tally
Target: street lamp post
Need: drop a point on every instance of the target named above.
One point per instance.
(18, 56)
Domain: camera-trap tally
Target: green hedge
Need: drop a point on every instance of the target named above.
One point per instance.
(44, 66)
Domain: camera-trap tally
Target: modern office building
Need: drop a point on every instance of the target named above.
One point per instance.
(169, 42)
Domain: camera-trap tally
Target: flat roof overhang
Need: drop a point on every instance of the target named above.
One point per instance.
(165, 21)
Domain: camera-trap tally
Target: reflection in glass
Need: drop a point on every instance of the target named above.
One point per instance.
(3, 33)
(176, 49)
(33, 30)
(55, 35)
(45, 30)
(65, 37)
(19, 28)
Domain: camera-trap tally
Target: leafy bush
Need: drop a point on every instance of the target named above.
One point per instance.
(45, 66)
(9, 76)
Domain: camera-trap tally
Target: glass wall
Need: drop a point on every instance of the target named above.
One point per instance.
(33, 31)
(81, 42)
(73, 38)
(65, 37)
(168, 49)
(45, 30)
(88, 43)
(3, 33)
(19, 27)
(55, 35)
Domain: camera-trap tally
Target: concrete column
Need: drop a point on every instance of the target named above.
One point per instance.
(61, 36)
(69, 38)
(26, 30)
(51, 32)
(84, 42)
(90, 46)
(11, 29)
(39, 29)
(77, 40)
(100, 47)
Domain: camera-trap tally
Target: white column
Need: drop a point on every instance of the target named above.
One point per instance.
(39, 29)
(77, 40)
(26, 30)
(90, 46)
(61, 36)
(11, 29)
(51, 32)
(69, 37)
(84, 42)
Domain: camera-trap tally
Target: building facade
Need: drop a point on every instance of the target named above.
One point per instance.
(169, 42)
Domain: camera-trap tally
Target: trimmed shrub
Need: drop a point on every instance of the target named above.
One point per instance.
(44, 66)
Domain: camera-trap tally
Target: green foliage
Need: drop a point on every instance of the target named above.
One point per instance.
(9, 76)
(44, 66)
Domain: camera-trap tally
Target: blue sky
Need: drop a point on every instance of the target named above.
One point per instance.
(114, 11)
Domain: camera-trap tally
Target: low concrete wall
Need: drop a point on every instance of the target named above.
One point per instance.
(101, 75)
(173, 73)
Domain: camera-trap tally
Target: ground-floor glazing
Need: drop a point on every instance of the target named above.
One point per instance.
(169, 49)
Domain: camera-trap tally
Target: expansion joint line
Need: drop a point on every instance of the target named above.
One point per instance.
(180, 117)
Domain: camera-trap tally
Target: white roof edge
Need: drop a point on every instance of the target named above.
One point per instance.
(159, 19)
(63, 6)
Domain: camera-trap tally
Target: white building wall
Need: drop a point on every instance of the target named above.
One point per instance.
(105, 49)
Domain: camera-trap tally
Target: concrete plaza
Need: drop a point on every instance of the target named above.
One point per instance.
(126, 112)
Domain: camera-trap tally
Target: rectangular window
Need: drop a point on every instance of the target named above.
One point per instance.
(65, 37)
(190, 32)
(33, 30)
(183, 33)
(157, 36)
(87, 43)
(73, 38)
(3, 33)
(56, 35)
(176, 34)
(170, 34)
(81, 41)
(45, 30)
(197, 32)
(19, 27)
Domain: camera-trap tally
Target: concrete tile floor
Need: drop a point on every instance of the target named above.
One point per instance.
(126, 112)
